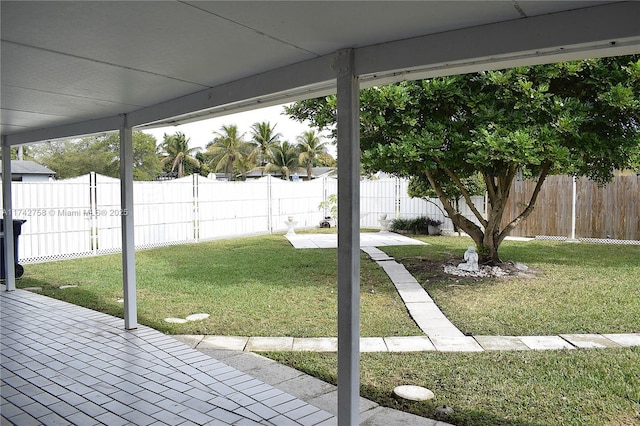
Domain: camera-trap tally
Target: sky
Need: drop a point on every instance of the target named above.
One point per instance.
(200, 133)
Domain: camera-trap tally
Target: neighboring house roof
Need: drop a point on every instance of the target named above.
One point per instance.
(322, 171)
(24, 167)
(301, 172)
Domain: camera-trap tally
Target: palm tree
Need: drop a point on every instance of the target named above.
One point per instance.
(311, 150)
(175, 151)
(284, 159)
(227, 147)
(264, 136)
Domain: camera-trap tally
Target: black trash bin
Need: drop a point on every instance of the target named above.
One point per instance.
(17, 230)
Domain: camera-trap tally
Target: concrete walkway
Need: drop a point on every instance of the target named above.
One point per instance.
(440, 333)
(367, 239)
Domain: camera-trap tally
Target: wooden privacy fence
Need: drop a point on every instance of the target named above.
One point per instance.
(82, 217)
(608, 212)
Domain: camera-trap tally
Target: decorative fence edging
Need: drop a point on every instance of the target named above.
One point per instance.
(589, 240)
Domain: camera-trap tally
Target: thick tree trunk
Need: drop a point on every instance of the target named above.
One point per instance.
(488, 240)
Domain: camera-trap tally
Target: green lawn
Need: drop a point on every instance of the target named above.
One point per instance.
(257, 286)
(578, 288)
(572, 387)
(262, 286)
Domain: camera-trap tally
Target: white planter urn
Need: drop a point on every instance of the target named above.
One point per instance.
(291, 224)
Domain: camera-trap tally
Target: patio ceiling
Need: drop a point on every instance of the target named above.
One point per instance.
(72, 68)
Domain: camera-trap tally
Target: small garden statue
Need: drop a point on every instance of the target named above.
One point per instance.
(384, 223)
(471, 260)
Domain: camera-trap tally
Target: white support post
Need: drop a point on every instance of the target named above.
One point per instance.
(348, 240)
(128, 245)
(7, 214)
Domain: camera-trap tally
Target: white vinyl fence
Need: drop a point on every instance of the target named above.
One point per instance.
(82, 217)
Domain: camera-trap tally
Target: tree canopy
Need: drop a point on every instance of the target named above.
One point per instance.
(227, 148)
(176, 153)
(313, 151)
(581, 118)
(100, 154)
(284, 159)
(265, 138)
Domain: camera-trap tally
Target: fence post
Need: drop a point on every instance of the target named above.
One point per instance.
(196, 207)
(398, 201)
(93, 213)
(269, 206)
(573, 209)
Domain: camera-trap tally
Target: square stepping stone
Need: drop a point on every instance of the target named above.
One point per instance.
(415, 295)
(232, 343)
(372, 344)
(589, 341)
(456, 344)
(501, 343)
(442, 331)
(190, 339)
(632, 339)
(316, 344)
(425, 311)
(257, 344)
(546, 342)
(409, 344)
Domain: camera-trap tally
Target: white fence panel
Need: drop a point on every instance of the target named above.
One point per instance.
(108, 236)
(82, 216)
(479, 203)
(300, 200)
(164, 212)
(416, 207)
(231, 208)
(58, 220)
(432, 208)
(378, 197)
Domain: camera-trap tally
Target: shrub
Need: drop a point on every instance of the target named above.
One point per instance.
(418, 225)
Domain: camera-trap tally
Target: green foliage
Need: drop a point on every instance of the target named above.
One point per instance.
(228, 149)
(418, 225)
(312, 151)
(26, 154)
(177, 156)
(284, 159)
(331, 205)
(100, 154)
(265, 138)
(581, 118)
(419, 187)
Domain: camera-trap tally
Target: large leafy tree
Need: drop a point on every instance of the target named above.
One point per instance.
(176, 154)
(227, 147)
(100, 154)
(312, 151)
(581, 118)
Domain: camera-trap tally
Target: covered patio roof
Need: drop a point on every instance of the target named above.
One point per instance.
(71, 68)
(77, 68)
